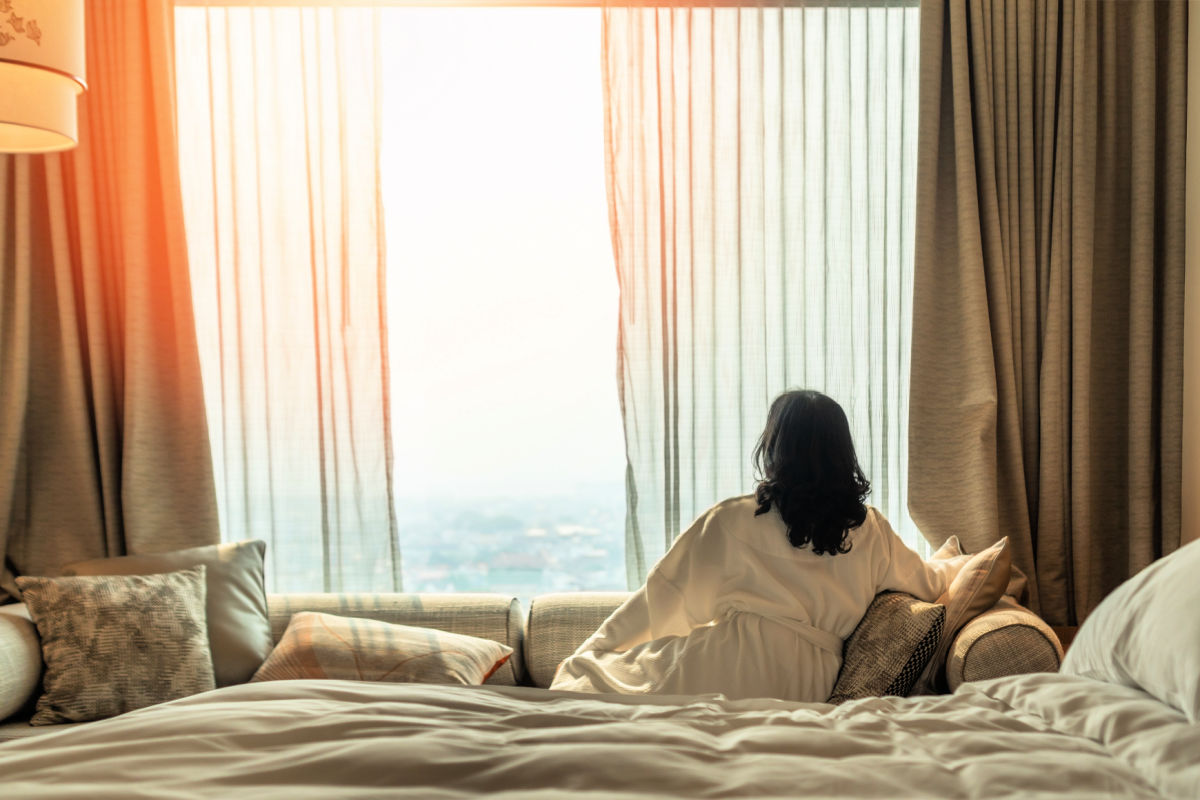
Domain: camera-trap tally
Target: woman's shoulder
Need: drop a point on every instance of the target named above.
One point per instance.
(735, 513)
(732, 506)
(738, 518)
(875, 526)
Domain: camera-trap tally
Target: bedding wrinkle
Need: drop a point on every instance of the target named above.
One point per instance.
(318, 739)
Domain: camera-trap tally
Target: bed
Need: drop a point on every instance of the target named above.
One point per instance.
(1121, 720)
(1037, 735)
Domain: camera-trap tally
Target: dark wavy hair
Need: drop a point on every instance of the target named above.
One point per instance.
(809, 471)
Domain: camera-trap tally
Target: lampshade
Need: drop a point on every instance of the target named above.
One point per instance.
(41, 74)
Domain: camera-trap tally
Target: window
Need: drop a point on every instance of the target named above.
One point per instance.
(502, 302)
(417, 196)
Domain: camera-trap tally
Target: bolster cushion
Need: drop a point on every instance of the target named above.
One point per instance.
(1009, 639)
(20, 659)
(486, 616)
(558, 624)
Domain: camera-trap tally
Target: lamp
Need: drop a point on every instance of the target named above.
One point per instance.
(41, 74)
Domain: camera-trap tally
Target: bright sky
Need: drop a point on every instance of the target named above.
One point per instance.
(502, 293)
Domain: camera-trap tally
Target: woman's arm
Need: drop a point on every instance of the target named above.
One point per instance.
(678, 595)
(905, 571)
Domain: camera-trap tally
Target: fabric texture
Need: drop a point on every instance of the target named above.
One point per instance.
(115, 643)
(1040, 735)
(1046, 399)
(890, 647)
(980, 582)
(486, 616)
(1145, 634)
(734, 608)
(103, 437)
(20, 659)
(239, 632)
(1007, 640)
(558, 624)
(282, 198)
(319, 645)
(761, 165)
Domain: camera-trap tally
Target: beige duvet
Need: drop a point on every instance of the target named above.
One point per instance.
(1020, 737)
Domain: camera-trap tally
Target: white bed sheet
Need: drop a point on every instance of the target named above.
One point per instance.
(1024, 736)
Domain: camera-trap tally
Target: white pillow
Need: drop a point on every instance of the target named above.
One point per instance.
(1145, 634)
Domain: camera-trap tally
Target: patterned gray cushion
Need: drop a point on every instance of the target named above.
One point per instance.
(115, 643)
(890, 647)
(239, 634)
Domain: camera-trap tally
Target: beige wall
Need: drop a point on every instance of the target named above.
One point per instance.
(1191, 335)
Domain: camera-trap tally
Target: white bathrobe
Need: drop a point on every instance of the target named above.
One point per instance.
(733, 608)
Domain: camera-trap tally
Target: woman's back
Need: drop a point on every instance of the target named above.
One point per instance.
(734, 608)
(739, 561)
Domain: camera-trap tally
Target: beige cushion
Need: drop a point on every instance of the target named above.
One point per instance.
(239, 633)
(949, 549)
(558, 624)
(889, 647)
(20, 659)
(975, 589)
(115, 643)
(1146, 634)
(319, 645)
(1007, 640)
(488, 616)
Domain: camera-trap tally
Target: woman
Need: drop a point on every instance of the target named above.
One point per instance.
(756, 598)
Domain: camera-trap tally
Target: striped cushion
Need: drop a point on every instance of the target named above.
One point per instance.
(317, 645)
(487, 616)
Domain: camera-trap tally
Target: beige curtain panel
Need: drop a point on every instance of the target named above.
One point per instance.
(761, 173)
(103, 443)
(1047, 325)
(281, 139)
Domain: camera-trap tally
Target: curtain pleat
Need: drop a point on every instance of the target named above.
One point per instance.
(760, 175)
(103, 438)
(284, 212)
(1047, 340)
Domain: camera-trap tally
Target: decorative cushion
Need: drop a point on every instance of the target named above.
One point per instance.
(949, 549)
(487, 616)
(20, 659)
(115, 643)
(976, 588)
(319, 645)
(889, 648)
(1145, 634)
(239, 633)
(558, 624)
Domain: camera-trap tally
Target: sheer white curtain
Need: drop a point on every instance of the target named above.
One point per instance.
(761, 166)
(279, 127)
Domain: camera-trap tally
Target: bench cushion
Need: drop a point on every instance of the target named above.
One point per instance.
(1007, 640)
(558, 624)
